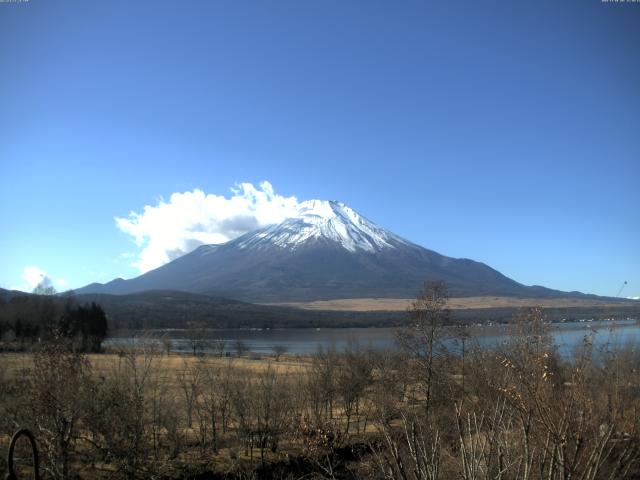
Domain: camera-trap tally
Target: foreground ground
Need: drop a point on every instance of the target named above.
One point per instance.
(518, 412)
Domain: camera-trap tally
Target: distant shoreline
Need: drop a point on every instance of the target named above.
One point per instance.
(472, 329)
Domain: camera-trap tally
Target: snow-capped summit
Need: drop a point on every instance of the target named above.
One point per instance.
(321, 220)
(326, 251)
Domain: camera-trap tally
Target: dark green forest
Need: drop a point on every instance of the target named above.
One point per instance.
(29, 319)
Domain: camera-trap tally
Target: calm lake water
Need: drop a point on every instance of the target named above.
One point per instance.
(567, 336)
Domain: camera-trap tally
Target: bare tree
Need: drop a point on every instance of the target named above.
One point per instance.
(195, 337)
(211, 404)
(241, 348)
(412, 451)
(60, 383)
(218, 346)
(354, 376)
(422, 339)
(272, 404)
(189, 379)
(119, 423)
(278, 351)
(167, 344)
(321, 384)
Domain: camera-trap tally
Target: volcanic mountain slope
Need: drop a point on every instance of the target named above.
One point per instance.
(328, 251)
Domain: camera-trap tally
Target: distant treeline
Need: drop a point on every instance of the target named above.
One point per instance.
(171, 309)
(174, 309)
(28, 319)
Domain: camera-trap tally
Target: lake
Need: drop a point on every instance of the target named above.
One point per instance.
(305, 341)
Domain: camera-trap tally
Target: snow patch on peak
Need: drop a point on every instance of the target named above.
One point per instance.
(319, 208)
(324, 220)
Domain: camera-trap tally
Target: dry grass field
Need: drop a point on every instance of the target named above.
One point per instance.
(460, 303)
(170, 364)
(173, 376)
(145, 414)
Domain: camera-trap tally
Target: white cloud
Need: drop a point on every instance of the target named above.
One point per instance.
(34, 276)
(170, 229)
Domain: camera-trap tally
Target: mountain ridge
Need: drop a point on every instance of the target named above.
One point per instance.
(329, 251)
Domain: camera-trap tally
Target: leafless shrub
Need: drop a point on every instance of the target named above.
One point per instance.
(261, 407)
(189, 380)
(119, 422)
(410, 452)
(278, 351)
(354, 376)
(320, 441)
(321, 384)
(59, 384)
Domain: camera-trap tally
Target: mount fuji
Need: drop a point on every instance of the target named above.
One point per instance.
(328, 251)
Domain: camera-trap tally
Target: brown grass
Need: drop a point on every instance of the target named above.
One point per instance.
(459, 303)
(101, 363)
(168, 368)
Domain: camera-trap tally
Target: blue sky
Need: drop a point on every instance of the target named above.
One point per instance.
(507, 132)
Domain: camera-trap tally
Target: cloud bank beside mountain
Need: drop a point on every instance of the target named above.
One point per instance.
(169, 229)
